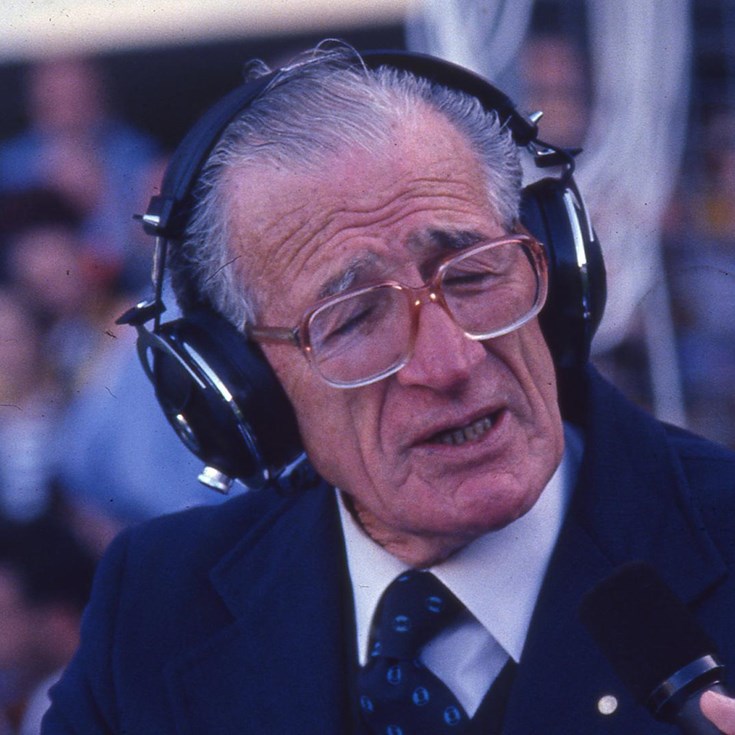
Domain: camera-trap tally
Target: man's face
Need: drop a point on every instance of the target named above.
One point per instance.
(462, 439)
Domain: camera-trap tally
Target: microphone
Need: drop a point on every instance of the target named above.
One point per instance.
(654, 645)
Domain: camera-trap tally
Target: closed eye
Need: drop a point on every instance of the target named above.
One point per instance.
(468, 280)
(353, 323)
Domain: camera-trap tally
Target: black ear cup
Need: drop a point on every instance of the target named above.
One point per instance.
(220, 395)
(553, 212)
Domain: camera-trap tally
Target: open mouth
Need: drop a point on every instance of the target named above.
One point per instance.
(461, 435)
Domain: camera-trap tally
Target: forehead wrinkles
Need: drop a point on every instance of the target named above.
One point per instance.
(310, 226)
(337, 240)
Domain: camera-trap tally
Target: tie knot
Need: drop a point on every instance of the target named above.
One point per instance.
(414, 607)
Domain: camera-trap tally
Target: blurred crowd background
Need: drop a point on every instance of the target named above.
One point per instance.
(647, 89)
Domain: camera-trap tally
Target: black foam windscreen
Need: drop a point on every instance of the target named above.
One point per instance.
(645, 631)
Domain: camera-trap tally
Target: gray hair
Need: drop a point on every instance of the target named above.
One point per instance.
(308, 112)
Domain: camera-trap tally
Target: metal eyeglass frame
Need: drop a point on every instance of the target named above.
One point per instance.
(430, 292)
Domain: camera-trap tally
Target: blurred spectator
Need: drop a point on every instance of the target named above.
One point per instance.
(146, 470)
(29, 405)
(714, 206)
(102, 404)
(701, 262)
(75, 146)
(73, 298)
(45, 577)
(554, 82)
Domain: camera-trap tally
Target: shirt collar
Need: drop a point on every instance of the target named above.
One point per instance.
(497, 577)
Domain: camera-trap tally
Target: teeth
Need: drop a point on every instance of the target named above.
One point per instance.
(472, 431)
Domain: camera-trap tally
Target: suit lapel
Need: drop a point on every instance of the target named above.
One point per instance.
(280, 667)
(622, 511)
(562, 677)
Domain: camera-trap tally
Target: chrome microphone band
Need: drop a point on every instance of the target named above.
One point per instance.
(696, 675)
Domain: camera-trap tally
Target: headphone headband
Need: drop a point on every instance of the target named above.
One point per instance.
(168, 213)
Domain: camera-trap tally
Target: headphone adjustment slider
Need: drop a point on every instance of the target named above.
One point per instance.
(150, 221)
(158, 219)
(216, 479)
(141, 313)
(535, 117)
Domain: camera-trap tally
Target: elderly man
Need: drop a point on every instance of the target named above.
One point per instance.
(363, 227)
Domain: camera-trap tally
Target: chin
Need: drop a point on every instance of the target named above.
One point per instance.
(471, 515)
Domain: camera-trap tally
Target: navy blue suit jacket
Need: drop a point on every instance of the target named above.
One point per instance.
(237, 620)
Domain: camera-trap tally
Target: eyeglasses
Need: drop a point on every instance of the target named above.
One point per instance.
(366, 334)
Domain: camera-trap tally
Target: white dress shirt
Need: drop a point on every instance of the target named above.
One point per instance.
(497, 577)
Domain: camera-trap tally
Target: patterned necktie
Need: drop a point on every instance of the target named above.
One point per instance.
(398, 694)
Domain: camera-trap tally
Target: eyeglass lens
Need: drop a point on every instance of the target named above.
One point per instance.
(363, 335)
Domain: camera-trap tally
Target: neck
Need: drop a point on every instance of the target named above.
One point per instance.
(419, 552)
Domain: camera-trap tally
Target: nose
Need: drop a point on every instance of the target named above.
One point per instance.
(443, 356)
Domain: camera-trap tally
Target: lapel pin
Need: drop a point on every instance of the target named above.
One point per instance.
(607, 705)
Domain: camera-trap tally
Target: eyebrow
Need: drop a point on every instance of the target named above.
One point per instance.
(444, 240)
(432, 241)
(347, 278)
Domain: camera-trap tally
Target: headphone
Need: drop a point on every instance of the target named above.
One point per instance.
(215, 386)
